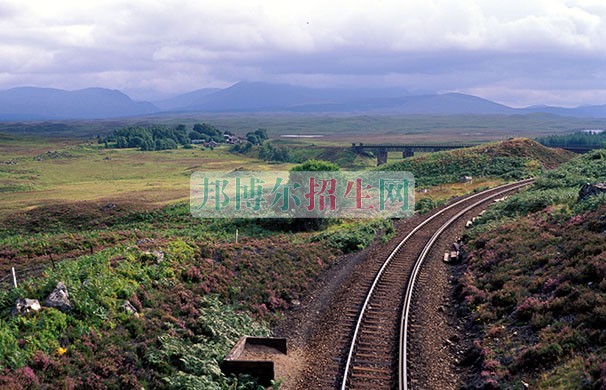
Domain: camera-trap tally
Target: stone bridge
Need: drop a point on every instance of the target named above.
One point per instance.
(381, 150)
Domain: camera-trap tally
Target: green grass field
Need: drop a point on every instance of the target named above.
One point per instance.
(36, 172)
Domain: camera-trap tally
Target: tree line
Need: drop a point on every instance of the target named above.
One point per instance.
(578, 139)
(147, 138)
(159, 137)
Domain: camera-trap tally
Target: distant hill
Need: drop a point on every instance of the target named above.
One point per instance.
(267, 97)
(30, 103)
(259, 97)
(190, 99)
(598, 111)
(446, 104)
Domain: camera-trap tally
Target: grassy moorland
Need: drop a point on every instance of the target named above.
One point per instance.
(192, 305)
(94, 225)
(535, 286)
(513, 159)
(437, 175)
(94, 218)
(35, 172)
(336, 129)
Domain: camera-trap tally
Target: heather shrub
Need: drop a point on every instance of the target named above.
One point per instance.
(536, 285)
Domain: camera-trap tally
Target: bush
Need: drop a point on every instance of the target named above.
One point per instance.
(353, 237)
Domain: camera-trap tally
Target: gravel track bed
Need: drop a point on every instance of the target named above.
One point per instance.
(318, 330)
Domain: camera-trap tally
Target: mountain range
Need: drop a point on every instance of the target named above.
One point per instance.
(31, 103)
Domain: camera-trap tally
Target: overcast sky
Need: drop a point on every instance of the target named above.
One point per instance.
(517, 52)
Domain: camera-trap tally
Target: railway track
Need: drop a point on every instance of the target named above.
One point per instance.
(375, 329)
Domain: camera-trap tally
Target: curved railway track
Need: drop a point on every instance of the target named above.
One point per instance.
(376, 350)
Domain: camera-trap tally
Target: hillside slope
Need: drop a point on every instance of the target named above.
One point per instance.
(30, 103)
(512, 159)
(535, 285)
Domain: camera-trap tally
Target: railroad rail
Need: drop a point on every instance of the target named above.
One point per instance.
(377, 353)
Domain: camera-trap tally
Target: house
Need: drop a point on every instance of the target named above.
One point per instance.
(210, 144)
(232, 139)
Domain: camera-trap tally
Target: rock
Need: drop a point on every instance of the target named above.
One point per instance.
(155, 255)
(59, 298)
(471, 356)
(130, 309)
(589, 190)
(145, 241)
(25, 306)
(109, 206)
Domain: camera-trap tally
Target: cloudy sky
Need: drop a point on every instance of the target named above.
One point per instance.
(517, 52)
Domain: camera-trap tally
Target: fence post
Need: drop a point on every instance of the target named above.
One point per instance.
(50, 256)
(14, 277)
(236, 236)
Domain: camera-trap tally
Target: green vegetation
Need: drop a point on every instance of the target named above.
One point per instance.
(351, 237)
(257, 137)
(126, 206)
(558, 188)
(535, 285)
(578, 139)
(206, 132)
(342, 156)
(269, 152)
(513, 160)
(35, 172)
(147, 138)
(316, 166)
(192, 306)
(176, 339)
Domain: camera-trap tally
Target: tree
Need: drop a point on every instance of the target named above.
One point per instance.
(316, 166)
(317, 222)
(281, 153)
(265, 152)
(261, 134)
(135, 142)
(252, 138)
(209, 130)
(121, 142)
(148, 144)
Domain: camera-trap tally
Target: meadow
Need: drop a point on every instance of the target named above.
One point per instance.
(37, 171)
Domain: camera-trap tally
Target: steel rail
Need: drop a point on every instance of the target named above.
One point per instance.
(377, 278)
(402, 369)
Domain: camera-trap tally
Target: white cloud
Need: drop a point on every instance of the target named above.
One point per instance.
(176, 46)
